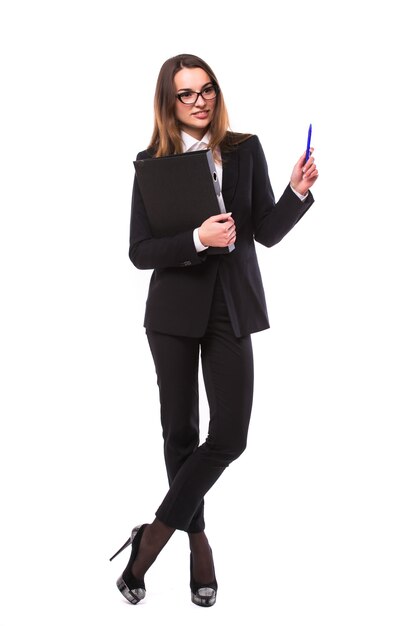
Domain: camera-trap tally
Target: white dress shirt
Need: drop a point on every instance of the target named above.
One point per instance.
(190, 144)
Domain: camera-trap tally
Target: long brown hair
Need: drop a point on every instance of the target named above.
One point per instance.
(166, 137)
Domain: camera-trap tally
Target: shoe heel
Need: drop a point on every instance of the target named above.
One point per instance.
(133, 534)
(133, 589)
(127, 543)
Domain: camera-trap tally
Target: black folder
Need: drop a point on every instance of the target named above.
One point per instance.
(180, 192)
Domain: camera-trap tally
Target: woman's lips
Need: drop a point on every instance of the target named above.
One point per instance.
(201, 115)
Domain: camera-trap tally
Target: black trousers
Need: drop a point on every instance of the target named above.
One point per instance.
(227, 366)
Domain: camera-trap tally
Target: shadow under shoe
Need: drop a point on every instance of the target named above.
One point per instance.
(131, 588)
(202, 594)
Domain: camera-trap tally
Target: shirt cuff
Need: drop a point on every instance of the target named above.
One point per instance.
(299, 195)
(197, 243)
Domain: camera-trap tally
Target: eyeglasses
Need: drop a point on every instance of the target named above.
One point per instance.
(190, 97)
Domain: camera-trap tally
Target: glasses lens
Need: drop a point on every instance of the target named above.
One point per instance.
(187, 97)
(209, 92)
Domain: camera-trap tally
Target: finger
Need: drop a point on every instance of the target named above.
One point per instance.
(221, 217)
(307, 169)
(302, 158)
(308, 164)
(310, 170)
(312, 176)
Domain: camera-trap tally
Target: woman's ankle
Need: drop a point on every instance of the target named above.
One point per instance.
(198, 542)
(155, 536)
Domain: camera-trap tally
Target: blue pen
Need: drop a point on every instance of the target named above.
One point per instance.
(308, 144)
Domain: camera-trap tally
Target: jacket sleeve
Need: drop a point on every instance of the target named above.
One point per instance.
(273, 220)
(147, 252)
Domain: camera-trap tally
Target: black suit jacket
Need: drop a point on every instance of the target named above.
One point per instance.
(182, 284)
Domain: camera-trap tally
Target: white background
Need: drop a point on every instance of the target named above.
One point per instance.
(315, 523)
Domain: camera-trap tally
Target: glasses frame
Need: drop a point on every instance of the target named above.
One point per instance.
(198, 94)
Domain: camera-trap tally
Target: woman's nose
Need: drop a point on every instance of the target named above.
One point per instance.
(200, 101)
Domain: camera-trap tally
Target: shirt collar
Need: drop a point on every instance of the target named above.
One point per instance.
(191, 143)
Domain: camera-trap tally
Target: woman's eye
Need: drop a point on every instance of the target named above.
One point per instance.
(207, 91)
(186, 94)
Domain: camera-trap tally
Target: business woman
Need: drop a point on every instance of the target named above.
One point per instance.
(204, 303)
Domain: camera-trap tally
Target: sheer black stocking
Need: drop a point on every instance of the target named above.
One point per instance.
(202, 558)
(154, 538)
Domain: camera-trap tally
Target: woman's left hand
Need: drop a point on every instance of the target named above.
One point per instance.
(304, 175)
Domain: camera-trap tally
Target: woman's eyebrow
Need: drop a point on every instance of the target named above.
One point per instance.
(189, 88)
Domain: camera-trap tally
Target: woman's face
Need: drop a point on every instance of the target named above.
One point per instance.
(195, 118)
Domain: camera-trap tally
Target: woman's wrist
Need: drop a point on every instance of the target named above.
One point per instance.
(299, 193)
(199, 245)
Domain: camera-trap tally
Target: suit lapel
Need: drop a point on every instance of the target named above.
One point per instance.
(230, 162)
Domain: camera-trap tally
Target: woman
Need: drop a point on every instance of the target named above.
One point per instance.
(208, 302)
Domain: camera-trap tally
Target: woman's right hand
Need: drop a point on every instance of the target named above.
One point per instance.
(218, 231)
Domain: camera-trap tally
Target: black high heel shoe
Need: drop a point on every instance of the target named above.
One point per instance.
(202, 594)
(131, 588)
